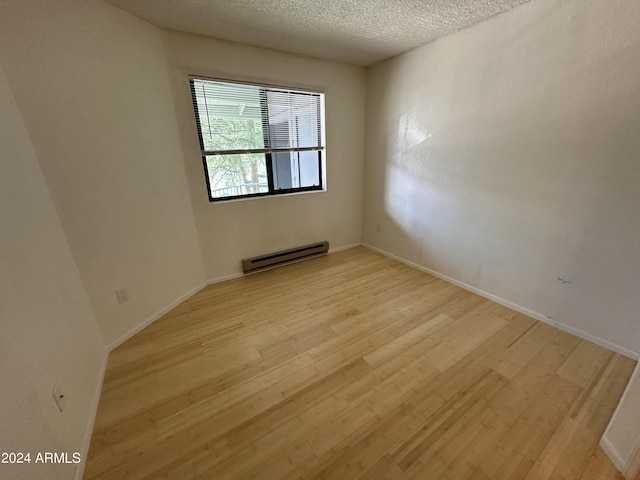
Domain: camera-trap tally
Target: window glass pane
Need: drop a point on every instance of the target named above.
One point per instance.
(295, 170)
(233, 175)
(230, 115)
(309, 167)
(283, 174)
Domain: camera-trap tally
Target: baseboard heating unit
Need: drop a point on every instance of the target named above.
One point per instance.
(285, 256)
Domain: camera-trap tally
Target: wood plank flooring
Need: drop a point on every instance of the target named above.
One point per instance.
(353, 366)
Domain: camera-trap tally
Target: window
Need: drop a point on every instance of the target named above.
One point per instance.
(258, 140)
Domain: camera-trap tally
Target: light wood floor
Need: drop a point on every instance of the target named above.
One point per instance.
(353, 366)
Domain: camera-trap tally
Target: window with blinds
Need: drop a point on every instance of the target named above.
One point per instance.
(258, 140)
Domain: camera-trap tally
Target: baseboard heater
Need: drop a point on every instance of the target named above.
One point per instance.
(285, 256)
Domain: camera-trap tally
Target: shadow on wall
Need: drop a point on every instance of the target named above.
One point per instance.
(512, 166)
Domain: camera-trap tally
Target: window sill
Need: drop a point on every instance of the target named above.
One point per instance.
(264, 197)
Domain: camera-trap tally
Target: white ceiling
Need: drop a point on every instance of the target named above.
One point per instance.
(360, 32)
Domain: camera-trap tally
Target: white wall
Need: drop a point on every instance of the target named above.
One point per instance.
(507, 156)
(504, 156)
(230, 231)
(48, 331)
(621, 440)
(92, 85)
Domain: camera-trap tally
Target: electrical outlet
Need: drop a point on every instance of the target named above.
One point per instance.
(58, 396)
(122, 294)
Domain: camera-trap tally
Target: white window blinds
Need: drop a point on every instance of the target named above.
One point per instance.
(245, 118)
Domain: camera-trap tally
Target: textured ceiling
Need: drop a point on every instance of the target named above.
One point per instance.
(360, 32)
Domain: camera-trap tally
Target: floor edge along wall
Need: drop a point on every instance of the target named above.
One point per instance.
(514, 306)
(605, 444)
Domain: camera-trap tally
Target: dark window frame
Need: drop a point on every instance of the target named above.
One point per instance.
(272, 191)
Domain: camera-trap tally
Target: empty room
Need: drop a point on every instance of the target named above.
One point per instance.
(342, 240)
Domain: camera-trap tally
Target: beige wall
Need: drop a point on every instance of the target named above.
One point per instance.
(230, 231)
(506, 157)
(48, 333)
(92, 85)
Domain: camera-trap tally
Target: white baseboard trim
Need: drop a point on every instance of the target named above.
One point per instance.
(604, 443)
(213, 281)
(629, 465)
(225, 278)
(154, 317)
(613, 454)
(632, 469)
(233, 276)
(345, 247)
(514, 306)
(92, 415)
(103, 369)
